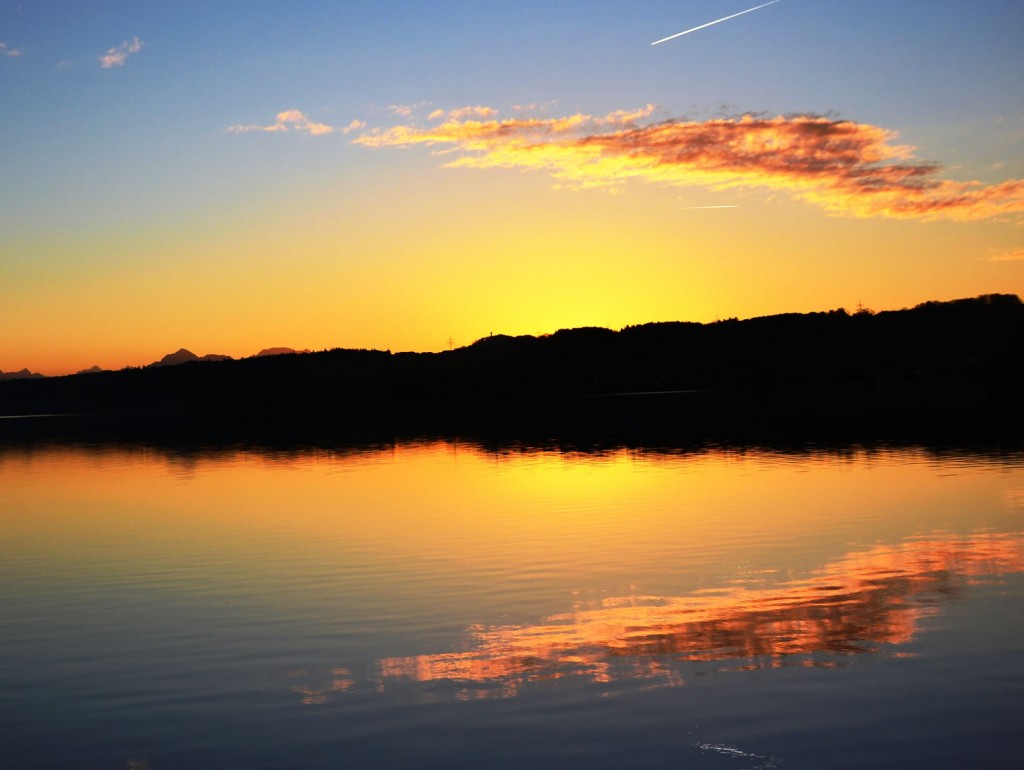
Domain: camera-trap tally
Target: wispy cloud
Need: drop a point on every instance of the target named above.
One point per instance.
(116, 57)
(5, 50)
(354, 125)
(534, 107)
(461, 113)
(846, 168)
(406, 110)
(1013, 255)
(294, 120)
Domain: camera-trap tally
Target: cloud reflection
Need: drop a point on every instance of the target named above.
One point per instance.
(852, 606)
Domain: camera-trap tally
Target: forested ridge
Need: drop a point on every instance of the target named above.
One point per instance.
(967, 349)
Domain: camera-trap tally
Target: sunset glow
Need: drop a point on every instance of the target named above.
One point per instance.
(232, 179)
(841, 166)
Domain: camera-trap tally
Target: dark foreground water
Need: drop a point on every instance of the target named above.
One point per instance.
(441, 606)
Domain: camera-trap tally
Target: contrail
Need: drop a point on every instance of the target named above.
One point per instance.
(734, 206)
(712, 23)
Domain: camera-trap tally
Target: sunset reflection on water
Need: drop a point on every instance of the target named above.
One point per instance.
(375, 606)
(855, 605)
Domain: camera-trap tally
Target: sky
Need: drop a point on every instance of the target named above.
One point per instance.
(230, 176)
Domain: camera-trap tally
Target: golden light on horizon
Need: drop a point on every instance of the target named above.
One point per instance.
(517, 258)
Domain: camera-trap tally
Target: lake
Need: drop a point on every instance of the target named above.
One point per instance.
(441, 604)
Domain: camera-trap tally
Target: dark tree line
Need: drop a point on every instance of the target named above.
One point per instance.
(937, 359)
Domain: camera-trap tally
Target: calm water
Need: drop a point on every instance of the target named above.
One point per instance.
(441, 606)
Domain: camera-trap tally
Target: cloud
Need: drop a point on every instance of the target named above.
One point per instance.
(406, 110)
(5, 51)
(294, 120)
(461, 113)
(534, 107)
(844, 167)
(116, 57)
(355, 125)
(1013, 255)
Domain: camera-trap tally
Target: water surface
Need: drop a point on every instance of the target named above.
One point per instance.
(441, 605)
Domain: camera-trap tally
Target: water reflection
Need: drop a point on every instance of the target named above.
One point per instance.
(858, 604)
(316, 687)
(300, 606)
(190, 454)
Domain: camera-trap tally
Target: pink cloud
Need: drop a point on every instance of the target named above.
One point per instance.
(461, 113)
(292, 120)
(116, 57)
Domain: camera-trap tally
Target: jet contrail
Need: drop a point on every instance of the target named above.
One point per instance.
(733, 206)
(712, 23)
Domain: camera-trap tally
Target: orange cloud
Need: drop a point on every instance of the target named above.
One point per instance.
(1013, 255)
(847, 168)
(294, 120)
(355, 125)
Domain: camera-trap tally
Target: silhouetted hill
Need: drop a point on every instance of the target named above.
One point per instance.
(183, 356)
(23, 374)
(279, 351)
(937, 364)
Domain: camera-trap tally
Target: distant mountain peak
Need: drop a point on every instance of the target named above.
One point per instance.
(184, 356)
(180, 357)
(23, 374)
(279, 351)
